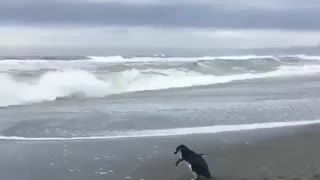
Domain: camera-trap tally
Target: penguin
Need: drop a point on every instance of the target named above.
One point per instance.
(196, 163)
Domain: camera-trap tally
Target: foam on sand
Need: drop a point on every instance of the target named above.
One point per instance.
(175, 132)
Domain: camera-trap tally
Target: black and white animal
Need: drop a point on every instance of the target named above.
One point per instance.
(196, 163)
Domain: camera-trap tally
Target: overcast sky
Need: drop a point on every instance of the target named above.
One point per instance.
(142, 26)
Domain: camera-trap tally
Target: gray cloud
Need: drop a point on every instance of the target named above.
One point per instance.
(151, 38)
(144, 26)
(247, 14)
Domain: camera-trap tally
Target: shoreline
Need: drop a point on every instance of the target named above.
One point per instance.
(202, 130)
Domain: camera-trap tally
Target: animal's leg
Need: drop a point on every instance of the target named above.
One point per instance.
(179, 161)
(195, 176)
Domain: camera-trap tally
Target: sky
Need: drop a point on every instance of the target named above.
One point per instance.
(96, 27)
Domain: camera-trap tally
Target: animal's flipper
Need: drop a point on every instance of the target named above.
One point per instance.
(207, 175)
(179, 161)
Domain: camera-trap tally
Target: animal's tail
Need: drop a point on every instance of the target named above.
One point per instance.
(208, 175)
(204, 154)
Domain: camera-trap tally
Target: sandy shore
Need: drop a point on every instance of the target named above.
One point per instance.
(283, 153)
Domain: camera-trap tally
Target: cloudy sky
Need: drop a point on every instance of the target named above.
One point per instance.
(151, 26)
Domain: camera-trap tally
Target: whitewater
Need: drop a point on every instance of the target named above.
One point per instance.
(35, 80)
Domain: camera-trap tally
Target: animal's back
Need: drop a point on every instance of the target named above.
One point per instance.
(200, 166)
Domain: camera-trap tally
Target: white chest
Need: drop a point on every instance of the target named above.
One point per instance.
(189, 165)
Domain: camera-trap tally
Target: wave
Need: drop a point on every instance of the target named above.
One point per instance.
(68, 83)
(174, 132)
(113, 59)
(95, 62)
(50, 86)
(154, 58)
(305, 57)
(120, 59)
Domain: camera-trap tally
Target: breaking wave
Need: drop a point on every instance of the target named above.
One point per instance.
(80, 83)
(26, 81)
(154, 58)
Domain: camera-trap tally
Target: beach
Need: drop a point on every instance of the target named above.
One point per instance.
(280, 153)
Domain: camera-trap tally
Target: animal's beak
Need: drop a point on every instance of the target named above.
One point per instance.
(176, 152)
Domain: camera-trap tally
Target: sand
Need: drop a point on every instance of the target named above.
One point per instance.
(282, 153)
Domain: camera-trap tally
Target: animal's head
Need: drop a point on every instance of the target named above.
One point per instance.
(181, 148)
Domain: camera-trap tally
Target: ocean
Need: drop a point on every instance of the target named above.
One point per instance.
(74, 98)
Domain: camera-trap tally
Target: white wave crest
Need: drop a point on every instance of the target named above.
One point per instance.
(119, 59)
(50, 86)
(96, 61)
(174, 132)
(306, 57)
(57, 84)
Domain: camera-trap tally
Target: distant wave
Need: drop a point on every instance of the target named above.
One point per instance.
(120, 59)
(305, 57)
(173, 132)
(153, 58)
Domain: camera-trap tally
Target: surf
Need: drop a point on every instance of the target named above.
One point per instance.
(29, 81)
(80, 83)
(173, 132)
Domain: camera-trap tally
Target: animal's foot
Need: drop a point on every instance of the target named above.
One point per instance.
(195, 178)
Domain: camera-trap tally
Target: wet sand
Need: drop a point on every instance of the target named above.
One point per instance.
(282, 153)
